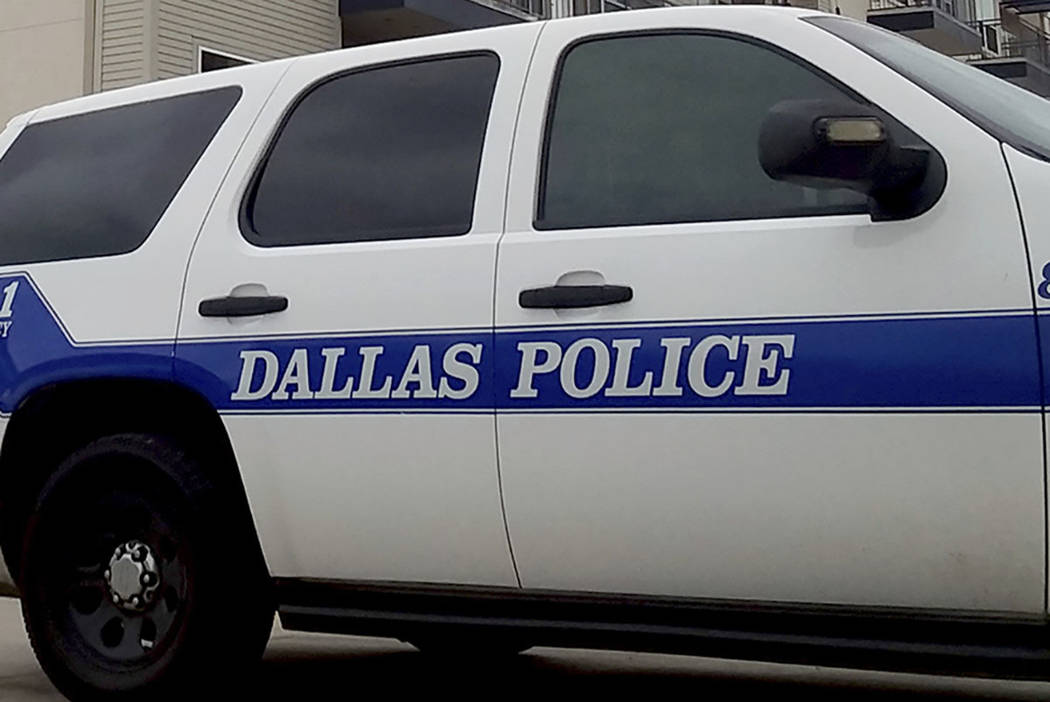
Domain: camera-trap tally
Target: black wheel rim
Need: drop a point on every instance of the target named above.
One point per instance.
(79, 547)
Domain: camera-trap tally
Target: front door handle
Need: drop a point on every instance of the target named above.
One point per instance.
(560, 297)
(247, 306)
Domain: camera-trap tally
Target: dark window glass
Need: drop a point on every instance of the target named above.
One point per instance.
(653, 129)
(387, 153)
(96, 184)
(211, 61)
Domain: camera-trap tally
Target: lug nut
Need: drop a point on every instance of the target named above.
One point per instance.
(116, 599)
(107, 575)
(147, 579)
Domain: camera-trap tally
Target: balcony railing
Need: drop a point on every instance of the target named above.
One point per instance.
(963, 10)
(592, 7)
(544, 9)
(1019, 40)
(1023, 7)
(537, 8)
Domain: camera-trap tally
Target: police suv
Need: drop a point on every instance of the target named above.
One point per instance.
(714, 330)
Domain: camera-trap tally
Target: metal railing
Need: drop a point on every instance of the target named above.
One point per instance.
(1025, 7)
(1019, 39)
(963, 10)
(537, 8)
(593, 7)
(544, 9)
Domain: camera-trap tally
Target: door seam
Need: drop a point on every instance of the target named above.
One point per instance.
(495, 299)
(1042, 381)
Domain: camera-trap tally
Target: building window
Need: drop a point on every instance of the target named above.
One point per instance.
(212, 60)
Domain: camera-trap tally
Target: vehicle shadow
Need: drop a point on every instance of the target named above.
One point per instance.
(293, 670)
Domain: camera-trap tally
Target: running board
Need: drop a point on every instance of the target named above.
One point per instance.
(931, 641)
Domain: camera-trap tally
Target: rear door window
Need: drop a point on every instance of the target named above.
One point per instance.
(388, 152)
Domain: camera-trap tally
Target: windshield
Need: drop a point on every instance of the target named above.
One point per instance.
(1007, 112)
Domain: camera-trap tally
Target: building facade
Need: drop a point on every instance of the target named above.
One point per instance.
(1007, 38)
(60, 49)
(44, 53)
(57, 49)
(52, 50)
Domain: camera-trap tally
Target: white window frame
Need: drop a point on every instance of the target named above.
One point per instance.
(218, 52)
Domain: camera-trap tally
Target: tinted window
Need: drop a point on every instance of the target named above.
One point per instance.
(1008, 112)
(96, 184)
(387, 153)
(653, 129)
(213, 61)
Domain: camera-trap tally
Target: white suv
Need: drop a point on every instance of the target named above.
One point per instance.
(716, 330)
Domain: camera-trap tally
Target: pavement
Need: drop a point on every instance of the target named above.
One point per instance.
(299, 666)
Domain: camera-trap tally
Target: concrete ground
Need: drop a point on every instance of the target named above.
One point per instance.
(307, 666)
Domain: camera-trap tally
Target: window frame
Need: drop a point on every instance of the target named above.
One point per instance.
(246, 225)
(538, 223)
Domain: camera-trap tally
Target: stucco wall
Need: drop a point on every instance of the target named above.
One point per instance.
(42, 53)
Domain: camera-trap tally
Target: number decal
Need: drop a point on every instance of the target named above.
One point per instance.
(1044, 287)
(9, 299)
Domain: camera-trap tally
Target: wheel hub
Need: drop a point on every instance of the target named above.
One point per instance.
(132, 576)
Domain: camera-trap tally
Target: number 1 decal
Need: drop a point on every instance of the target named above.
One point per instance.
(9, 299)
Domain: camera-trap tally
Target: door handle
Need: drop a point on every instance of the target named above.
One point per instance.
(560, 297)
(247, 306)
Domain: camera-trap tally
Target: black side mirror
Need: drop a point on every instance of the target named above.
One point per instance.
(839, 144)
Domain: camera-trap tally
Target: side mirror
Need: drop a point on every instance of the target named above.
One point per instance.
(839, 144)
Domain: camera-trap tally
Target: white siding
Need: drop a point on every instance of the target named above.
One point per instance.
(255, 29)
(121, 37)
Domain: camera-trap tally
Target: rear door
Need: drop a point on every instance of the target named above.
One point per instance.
(370, 197)
(795, 402)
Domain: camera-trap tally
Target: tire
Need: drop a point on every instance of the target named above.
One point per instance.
(133, 516)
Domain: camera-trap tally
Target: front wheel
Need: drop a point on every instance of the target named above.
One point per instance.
(134, 581)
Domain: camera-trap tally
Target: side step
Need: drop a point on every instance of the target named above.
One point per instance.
(930, 641)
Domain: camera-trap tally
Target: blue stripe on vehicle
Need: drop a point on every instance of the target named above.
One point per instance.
(979, 361)
(36, 350)
(982, 361)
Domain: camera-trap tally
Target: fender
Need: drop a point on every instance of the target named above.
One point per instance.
(36, 349)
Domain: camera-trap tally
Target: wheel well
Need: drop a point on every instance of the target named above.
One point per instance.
(55, 420)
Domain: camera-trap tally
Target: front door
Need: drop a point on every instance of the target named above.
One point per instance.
(771, 396)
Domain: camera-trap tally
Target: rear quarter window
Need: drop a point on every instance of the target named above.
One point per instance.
(96, 184)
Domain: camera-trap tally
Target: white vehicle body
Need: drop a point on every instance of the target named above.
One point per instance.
(830, 410)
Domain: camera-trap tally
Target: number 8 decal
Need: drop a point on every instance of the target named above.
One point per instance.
(1044, 287)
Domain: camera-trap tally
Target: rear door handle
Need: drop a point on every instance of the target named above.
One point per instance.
(248, 306)
(560, 297)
